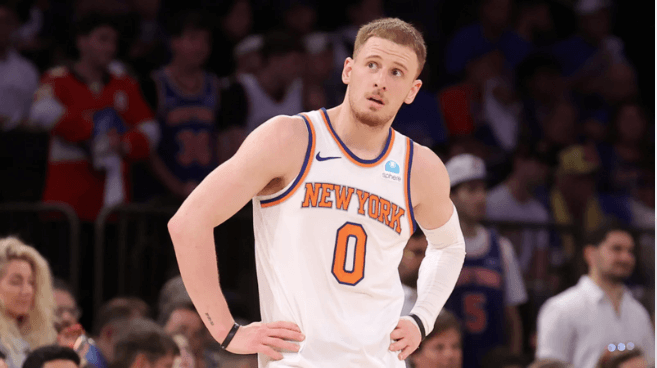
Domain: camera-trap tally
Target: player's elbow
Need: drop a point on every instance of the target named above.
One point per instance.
(176, 227)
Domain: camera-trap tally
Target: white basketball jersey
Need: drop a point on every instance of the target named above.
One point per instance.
(328, 247)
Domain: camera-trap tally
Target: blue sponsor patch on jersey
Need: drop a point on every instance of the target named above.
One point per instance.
(392, 166)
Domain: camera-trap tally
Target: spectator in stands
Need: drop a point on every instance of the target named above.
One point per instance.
(542, 86)
(442, 348)
(181, 318)
(112, 320)
(299, 16)
(67, 312)
(248, 59)
(98, 120)
(642, 209)
(18, 76)
(574, 200)
(626, 358)
(26, 301)
(533, 22)
(576, 325)
(148, 49)
(629, 148)
(172, 290)
(616, 86)
(460, 104)
(235, 23)
(492, 32)
(144, 344)
(358, 13)
(186, 99)
(322, 83)
(559, 129)
(514, 200)
(276, 89)
(549, 363)
(409, 268)
(490, 286)
(585, 57)
(52, 356)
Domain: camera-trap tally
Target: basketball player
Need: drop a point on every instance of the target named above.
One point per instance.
(335, 195)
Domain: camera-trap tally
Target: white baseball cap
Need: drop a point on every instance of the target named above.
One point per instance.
(465, 167)
(584, 7)
(249, 44)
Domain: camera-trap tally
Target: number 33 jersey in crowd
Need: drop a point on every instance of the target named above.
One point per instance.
(328, 247)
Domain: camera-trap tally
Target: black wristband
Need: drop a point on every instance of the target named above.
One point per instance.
(419, 324)
(230, 336)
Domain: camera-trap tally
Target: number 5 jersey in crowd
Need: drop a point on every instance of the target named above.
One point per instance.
(490, 281)
(328, 247)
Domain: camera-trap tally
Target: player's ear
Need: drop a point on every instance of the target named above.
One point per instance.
(346, 70)
(413, 92)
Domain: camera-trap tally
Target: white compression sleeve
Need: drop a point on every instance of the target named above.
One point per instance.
(439, 270)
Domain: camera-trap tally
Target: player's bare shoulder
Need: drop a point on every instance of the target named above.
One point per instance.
(279, 146)
(428, 175)
(286, 136)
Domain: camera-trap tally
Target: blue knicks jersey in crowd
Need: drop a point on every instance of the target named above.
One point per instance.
(188, 145)
(478, 301)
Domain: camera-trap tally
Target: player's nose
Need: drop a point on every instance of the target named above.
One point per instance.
(380, 82)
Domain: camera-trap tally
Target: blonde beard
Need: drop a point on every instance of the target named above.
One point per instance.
(370, 119)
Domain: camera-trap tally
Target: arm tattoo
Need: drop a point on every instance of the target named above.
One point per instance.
(209, 319)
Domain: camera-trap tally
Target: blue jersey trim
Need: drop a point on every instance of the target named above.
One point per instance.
(346, 149)
(408, 185)
(306, 160)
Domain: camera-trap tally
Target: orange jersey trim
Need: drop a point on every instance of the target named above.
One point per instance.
(350, 155)
(307, 162)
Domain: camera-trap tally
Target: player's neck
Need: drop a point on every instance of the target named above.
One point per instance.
(364, 141)
(89, 72)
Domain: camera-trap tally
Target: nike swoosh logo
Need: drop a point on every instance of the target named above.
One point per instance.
(320, 158)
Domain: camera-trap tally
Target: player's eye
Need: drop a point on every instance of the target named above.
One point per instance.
(371, 65)
(397, 73)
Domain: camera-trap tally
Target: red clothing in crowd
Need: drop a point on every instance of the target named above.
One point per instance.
(67, 106)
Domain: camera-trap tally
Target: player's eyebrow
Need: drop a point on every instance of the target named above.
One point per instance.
(402, 66)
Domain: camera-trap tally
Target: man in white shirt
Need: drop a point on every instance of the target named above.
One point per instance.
(18, 77)
(513, 200)
(490, 286)
(598, 313)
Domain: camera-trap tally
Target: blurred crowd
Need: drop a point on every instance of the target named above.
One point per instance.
(541, 110)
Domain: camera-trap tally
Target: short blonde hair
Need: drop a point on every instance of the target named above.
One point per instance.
(38, 327)
(397, 31)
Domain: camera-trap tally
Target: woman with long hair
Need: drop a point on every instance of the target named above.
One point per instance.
(26, 301)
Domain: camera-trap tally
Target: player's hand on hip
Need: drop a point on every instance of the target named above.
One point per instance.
(266, 338)
(406, 338)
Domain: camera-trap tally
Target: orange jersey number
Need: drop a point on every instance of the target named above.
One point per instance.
(194, 148)
(474, 306)
(342, 269)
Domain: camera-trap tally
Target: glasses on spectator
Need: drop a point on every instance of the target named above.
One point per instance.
(73, 311)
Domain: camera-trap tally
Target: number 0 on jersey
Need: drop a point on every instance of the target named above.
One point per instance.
(340, 265)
